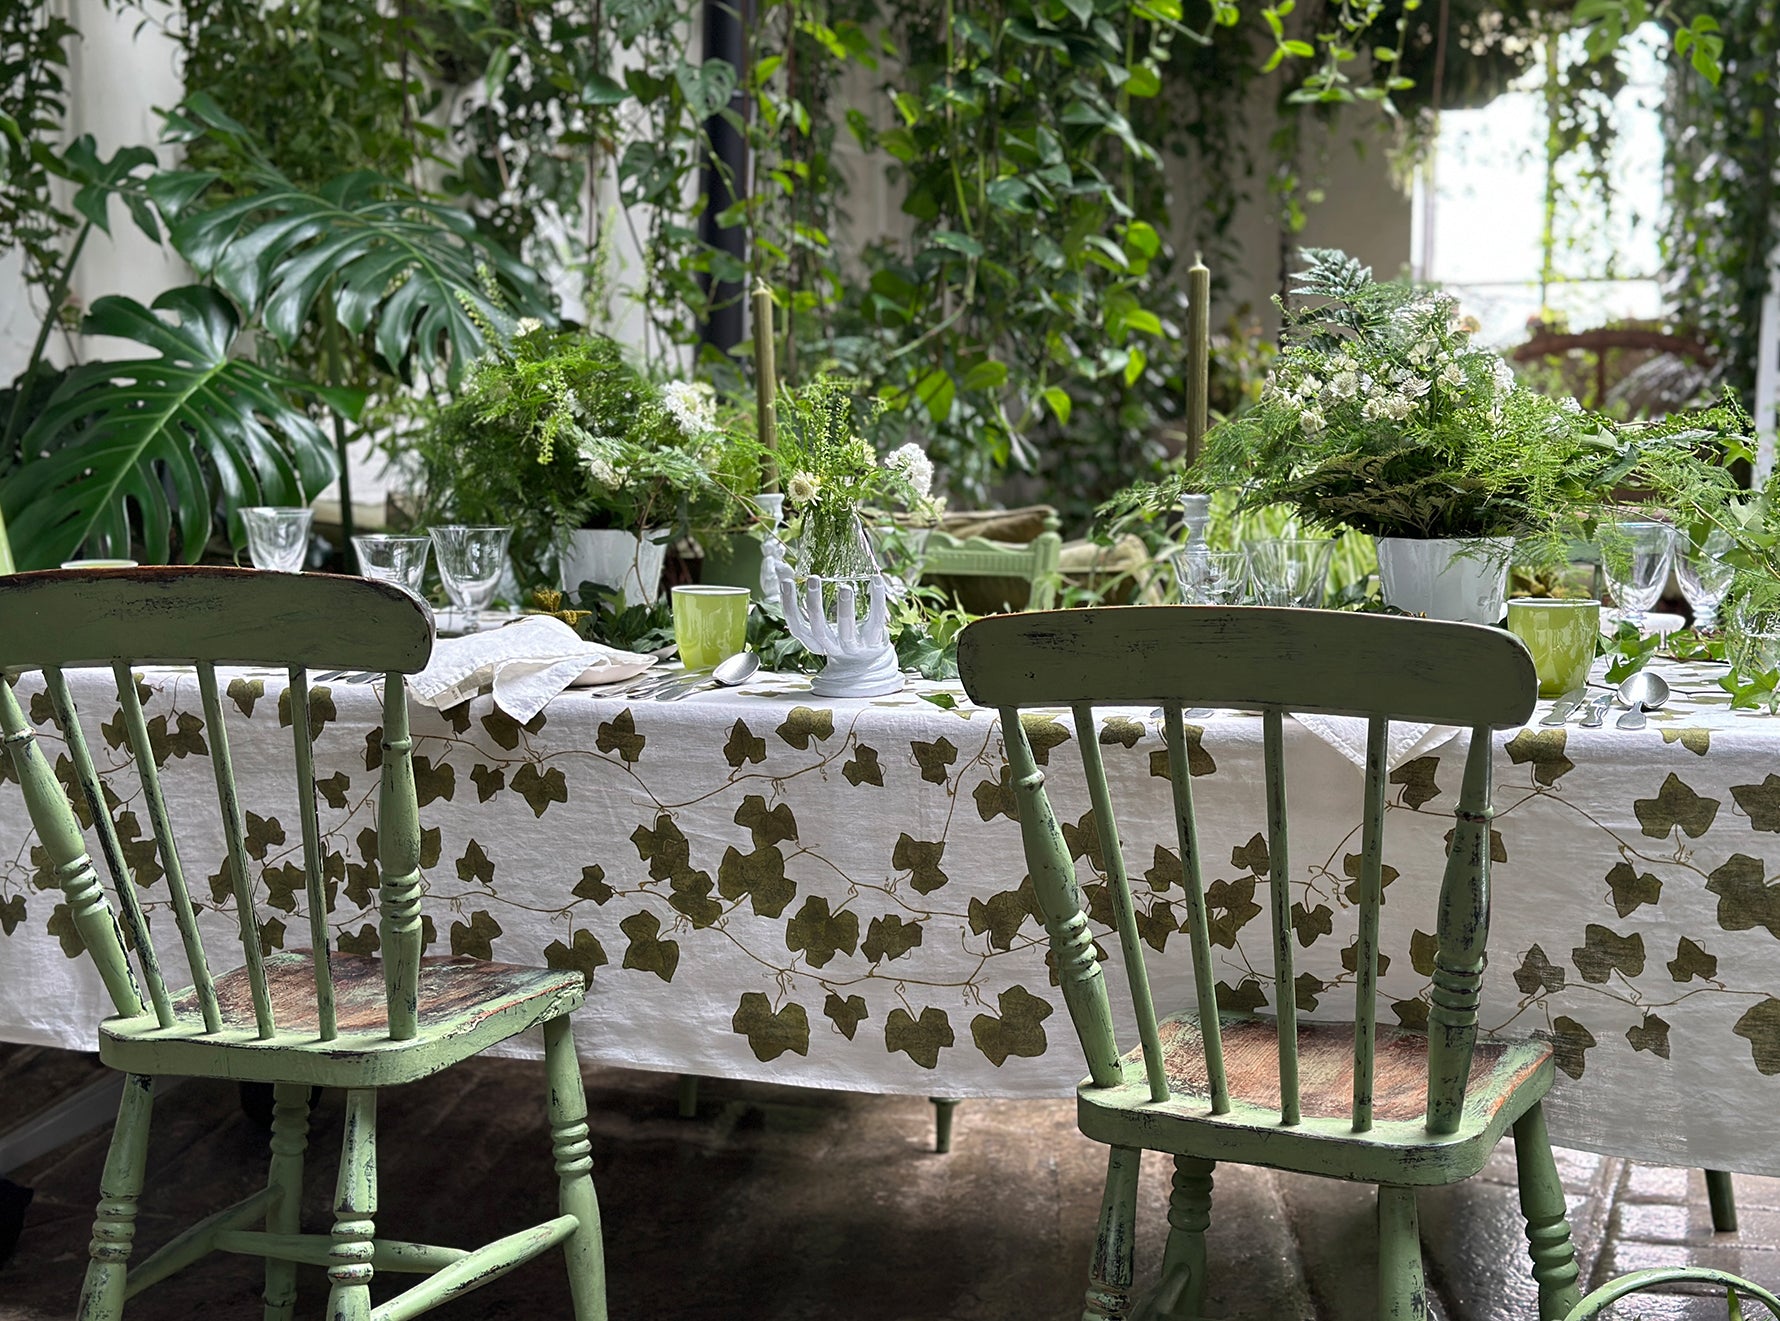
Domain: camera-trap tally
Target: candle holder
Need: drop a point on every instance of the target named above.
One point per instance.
(861, 657)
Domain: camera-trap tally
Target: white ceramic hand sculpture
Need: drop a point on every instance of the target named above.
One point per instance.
(861, 659)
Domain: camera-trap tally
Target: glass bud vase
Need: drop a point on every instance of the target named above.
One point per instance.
(835, 544)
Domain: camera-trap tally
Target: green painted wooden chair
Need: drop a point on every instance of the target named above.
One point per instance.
(1358, 1101)
(293, 1019)
(1035, 563)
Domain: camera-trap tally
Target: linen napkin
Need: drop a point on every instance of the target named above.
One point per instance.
(527, 663)
(1403, 741)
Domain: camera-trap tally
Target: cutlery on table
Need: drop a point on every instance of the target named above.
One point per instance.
(1640, 692)
(1596, 711)
(737, 669)
(1561, 709)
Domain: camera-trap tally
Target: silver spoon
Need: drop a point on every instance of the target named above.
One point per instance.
(738, 669)
(1640, 692)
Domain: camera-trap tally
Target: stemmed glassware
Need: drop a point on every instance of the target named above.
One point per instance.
(1704, 576)
(471, 562)
(1636, 558)
(277, 539)
(1291, 571)
(393, 559)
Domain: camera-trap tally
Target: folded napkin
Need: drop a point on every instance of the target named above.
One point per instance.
(527, 662)
(1403, 741)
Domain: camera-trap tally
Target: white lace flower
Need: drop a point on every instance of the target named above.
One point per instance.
(1415, 387)
(598, 467)
(913, 465)
(527, 324)
(1570, 404)
(1342, 363)
(802, 487)
(1346, 383)
(1311, 421)
(1503, 373)
(692, 405)
(1452, 374)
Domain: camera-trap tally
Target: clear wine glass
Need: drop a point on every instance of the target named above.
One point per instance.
(1291, 571)
(277, 539)
(393, 559)
(471, 562)
(1704, 576)
(1636, 558)
(1211, 577)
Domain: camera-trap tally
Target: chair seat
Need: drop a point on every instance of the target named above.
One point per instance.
(1507, 1077)
(465, 1005)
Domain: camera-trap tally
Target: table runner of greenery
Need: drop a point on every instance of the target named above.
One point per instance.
(761, 884)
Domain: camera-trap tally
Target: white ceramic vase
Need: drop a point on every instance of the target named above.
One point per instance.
(614, 558)
(1461, 579)
(861, 657)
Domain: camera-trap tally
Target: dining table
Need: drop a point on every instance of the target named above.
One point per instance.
(759, 883)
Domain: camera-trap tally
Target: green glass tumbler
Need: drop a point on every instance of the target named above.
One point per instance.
(1561, 635)
(710, 623)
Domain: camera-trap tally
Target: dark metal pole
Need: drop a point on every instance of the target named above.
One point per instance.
(725, 178)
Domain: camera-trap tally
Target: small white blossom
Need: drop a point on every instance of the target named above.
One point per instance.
(1342, 363)
(1504, 374)
(1308, 388)
(864, 455)
(1414, 388)
(802, 488)
(1570, 404)
(1345, 384)
(914, 467)
(1311, 421)
(1452, 375)
(527, 324)
(692, 405)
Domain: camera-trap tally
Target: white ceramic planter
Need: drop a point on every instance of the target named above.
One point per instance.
(614, 558)
(1446, 578)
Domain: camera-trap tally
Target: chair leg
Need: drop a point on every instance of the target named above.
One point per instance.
(1114, 1266)
(688, 1096)
(290, 1138)
(1181, 1296)
(1724, 1201)
(114, 1226)
(574, 1171)
(943, 1109)
(1542, 1203)
(355, 1206)
(1402, 1293)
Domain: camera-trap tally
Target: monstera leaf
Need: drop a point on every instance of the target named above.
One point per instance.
(142, 444)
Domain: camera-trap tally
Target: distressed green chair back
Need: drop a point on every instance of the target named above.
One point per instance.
(1035, 562)
(1379, 668)
(206, 617)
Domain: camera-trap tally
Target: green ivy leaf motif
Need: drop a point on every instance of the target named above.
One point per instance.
(1760, 1027)
(1199, 761)
(1350, 958)
(143, 855)
(1422, 949)
(458, 718)
(1675, 805)
(12, 912)
(1098, 902)
(584, 953)
(743, 745)
(771, 1034)
(1002, 915)
(186, 738)
(432, 846)
(433, 781)
(61, 926)
(1019, 1030)
(1651, 1035)
(1603, 951)
(1545, 749)
(476, 866)
(806, 724)
(1229, 907)
(271, 935)
(262, 833)
(43, 870)
(429, 934)
(1745, 899)
(333, 789)
(821, 934)
(592, 885)
(1416, 778)
(222, 883)
(760, 876)
(1411, 1014)
(619, 734)
(1760, 803)
(845, 1014)
(767, 826)
(365, 943)
(1241, 999)
(111, 730)
(502, 728)
(321, 710)
(540, 788)
(1121, 730)
(1696, 741)
(1043, 733)
(1350, 868)
(374, 749)
(245, 693)
(864, 768)
(1252, 857)
(283, 885)
(1166, 873)
(1570, 1044)
(1498, 848)
(489, 781)
(1306, 990)
(935, 759)
(664, 848)
(996, 798)
(889, 938)
(647, 952)
(1631, 891)
(692, 898)
(477, 937)
(43, 711)
(1690, 961)
(1082, 838)
(1309, 923)
(921, 859)
(1537, 972)
(921, 1039)
(1156, 924)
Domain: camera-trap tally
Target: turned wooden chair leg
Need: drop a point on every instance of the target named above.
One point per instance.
(1181, 1296)
(688, 1096)
(355, 1206)
(290, 1139)
(1548, 1231)
(1724, 1201)
(943, 1107)
(1113, 1269)
(1402, 1292)
(574, 1171)
(114, 1226)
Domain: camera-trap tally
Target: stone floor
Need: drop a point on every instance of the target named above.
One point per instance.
(791, 1204)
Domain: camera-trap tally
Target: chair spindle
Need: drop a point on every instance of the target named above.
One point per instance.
(1464, 920)
(1130, 943)
(123, 880)
(1199, 937)
(136, 731)
(1285, 990)
(228, 801)
(1366, 943)
(398, 859)
(315, 887)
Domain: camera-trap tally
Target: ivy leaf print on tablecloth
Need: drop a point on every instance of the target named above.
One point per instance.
(921, 1039)
(365, 943)
(864, 768)
(1350, 958)
(845, 1014)
(263, 832)
(475, 865)
(889, 937)
(1605, 951)
(333, 790)
(1545, 749)
(1306, 988)
(1252, 857)
(664, 848)
(1309, 923)
(619, 734)
(271, 935)
(245, 693)
(1760, 803)
(1745, 899)
(1082, 838)
(920, 859)
(1411, 1014)
(458, 718)
(61, 926)
(1043, 733)
(1570, 1044)
(1538, 973)
(1165, 873)
(1630, 890)
(1156, 924)
(1244, 998)
(505, 730)
(321, 710)
(1651, 1035)
(1229, 906)
(1416, 779)
(935, 759)
(283, 884)
(1422, 949)
(477, 937)
(592, 885)
(771, 1034)
(584, 953)
(1199, 761)
(12, 912)
(1690, 961)
(1122, 730)
(540, 788)
(185, 740)
(821, 934)
(647, 952)
(760, 876)
(692, 898)
(806, 724)
(1675, 804)
(489, 781)
(1002, 915)
(1350, 868)
(1696, 741)
(432, 781)
(766, 825)
(1760, 1027)
(996, 797)
(374, 749)
(743, 745)
(1018, 1031)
